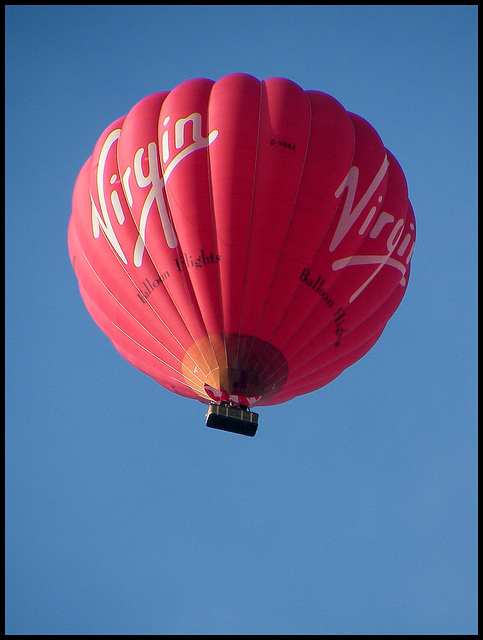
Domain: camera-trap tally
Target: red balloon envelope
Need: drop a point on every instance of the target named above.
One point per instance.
(242, 242)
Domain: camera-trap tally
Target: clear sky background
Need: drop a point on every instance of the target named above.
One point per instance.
(353, 509)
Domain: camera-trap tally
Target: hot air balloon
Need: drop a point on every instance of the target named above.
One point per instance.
(242, 242)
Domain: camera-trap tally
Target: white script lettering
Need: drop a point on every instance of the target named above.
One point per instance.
(157, 183)
(350, 213)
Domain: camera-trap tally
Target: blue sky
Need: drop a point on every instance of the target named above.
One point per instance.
(354, 509)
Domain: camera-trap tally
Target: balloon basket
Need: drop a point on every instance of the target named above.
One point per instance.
(232, 418)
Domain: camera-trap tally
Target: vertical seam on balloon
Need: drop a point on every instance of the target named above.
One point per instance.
(215, 237)
(189, 290)
(284, 241)
(186, 279)
(146, 249)
(249, 224)
(316, 306)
